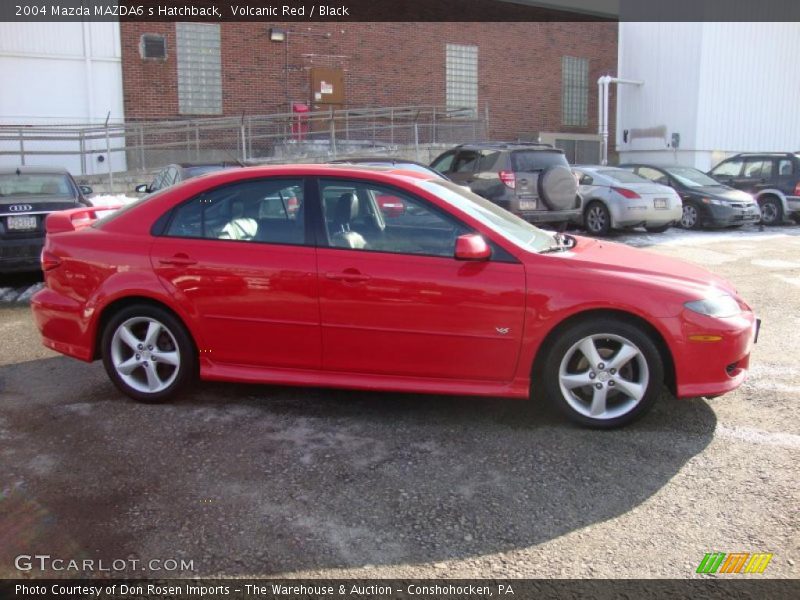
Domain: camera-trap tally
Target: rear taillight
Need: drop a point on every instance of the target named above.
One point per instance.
(797, 189)
(49, 261)
(629, 194)
(508, 178)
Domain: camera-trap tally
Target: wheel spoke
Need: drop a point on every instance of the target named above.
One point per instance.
(574, 380)
(590, 352)
(153, 329)
(623, 355)
(168, 358)
(127, 367)
(598, 401)
(631, 388)
(127, 336)
(153, 380)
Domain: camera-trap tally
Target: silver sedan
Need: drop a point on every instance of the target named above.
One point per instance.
(615, 199)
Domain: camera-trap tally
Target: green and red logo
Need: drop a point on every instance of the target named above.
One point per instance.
(734, 562)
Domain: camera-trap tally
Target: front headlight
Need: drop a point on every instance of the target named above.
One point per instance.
(713, 201)
(717, 306)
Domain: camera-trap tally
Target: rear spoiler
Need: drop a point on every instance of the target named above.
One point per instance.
(75, 218)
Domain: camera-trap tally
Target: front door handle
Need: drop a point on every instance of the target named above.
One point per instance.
(348, 276)
(179, 260)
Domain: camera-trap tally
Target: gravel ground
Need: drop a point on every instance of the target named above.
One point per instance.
(267, 481)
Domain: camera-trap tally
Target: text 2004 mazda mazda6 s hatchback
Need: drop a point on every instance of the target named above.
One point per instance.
(299, 275)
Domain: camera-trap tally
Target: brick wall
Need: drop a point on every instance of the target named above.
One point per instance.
(386, 64)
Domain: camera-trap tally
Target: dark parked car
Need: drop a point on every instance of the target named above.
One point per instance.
(706, 202)
(397, 163)
(172, 174)
(533, 181)
(27, 196)
(773, 178)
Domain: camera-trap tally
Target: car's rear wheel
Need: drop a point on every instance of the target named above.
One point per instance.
(596, 219)
(148, 353)
(771, 211)
(690, 218)
(603, 373)
(659, 229)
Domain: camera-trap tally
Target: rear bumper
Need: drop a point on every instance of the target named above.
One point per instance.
(714, 355)
(63, 324)
(22, 254)
(550, 216)
(793, 203)
(632, 216)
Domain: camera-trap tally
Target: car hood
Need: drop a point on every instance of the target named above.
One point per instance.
(646, 269)
(720, 192)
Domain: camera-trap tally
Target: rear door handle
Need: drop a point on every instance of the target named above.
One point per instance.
(350, 277)
(179, 260)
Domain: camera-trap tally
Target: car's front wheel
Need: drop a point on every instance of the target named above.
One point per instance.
(690, 218)
(148, 353)
(603, 373)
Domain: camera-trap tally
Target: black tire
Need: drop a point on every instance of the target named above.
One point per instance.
(659, 229)
(607, 335)
(596, 218)
(692, 217)
(771, 211)
(173, 340)
(796, 218)
(557, 187)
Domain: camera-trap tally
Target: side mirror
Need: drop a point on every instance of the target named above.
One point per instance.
(86, 190)
(472, 246)
(142, 189)
(391, 206)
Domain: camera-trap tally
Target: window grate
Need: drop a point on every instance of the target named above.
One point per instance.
(575, 91)
(462, 78)
(199, 68)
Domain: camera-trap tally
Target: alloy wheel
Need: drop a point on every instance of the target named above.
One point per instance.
(145, 354)
(596, 219)
(689, 216)
(603, 376)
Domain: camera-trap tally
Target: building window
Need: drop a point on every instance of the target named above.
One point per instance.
(199, 68)
(575, 91)
(462, 78)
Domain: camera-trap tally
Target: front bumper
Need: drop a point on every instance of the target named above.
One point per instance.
(20, 254)
(713, 356)
(722, 215)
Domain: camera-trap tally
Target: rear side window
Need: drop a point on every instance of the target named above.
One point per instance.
(488, 160)
(268, 211)
(536, 160)
(758, 168)
(622, 176)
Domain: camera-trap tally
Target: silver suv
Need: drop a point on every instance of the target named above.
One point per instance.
(533, 181)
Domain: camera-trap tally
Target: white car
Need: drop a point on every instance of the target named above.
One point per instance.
(614, 198)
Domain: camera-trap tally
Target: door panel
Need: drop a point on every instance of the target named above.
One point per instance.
(254, 295)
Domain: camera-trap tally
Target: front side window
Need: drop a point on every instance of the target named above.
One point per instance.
(367, 216)
(466, 161)
(269, 211)
(444, 163)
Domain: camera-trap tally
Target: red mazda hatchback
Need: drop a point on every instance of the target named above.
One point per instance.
(300, 275)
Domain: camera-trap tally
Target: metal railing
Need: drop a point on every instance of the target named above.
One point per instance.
(288, 137)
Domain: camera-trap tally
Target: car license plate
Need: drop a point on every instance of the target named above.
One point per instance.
(660, 203)
(21, 223)
(527, 205)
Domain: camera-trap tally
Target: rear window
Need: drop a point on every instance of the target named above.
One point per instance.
(35, 184)
(536, 160)
(623, 176)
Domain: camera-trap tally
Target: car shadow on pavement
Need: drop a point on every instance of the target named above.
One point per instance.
(261, 480)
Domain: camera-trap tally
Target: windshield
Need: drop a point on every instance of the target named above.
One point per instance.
(537, 160)
(691, 177)
(623, 176)
(511, 227)
(36, 184)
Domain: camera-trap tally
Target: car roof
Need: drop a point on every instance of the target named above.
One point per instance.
(188, 165)
(310, 169)
(376, 159)
(34, 170)
(511, 146)
(596, 167)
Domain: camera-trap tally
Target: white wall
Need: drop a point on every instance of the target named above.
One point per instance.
(60, 73)
(724, 87)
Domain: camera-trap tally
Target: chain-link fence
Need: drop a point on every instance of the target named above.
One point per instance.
(294, 137)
